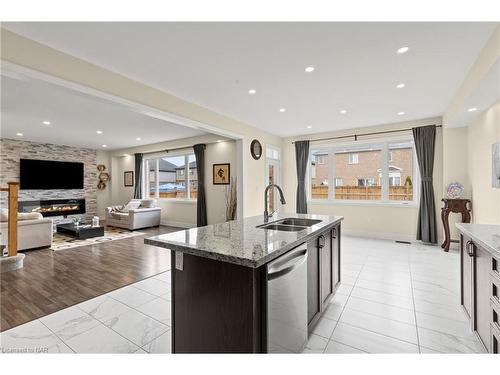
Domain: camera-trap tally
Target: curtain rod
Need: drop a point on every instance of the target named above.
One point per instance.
(355, 136)
(174, 149)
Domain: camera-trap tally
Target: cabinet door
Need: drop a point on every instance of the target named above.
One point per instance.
(335, 234)
(466, 277)
(313, 292)
(325, 250)
(482, 293)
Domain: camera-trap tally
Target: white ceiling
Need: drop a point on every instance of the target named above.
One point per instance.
(76, 117)
(215, 64)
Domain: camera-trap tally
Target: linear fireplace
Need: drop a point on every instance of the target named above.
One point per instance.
(54, 207)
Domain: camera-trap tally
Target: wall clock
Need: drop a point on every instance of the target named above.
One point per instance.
(256, 149)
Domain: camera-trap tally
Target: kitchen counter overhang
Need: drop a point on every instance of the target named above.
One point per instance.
(242, 242)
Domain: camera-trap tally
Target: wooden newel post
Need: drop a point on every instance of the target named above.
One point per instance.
(12, 224)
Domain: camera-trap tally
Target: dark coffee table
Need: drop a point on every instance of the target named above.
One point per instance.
(80, 232)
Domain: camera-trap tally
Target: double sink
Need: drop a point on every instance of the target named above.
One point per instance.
(290, 224)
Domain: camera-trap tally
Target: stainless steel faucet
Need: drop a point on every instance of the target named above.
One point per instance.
(282, 199)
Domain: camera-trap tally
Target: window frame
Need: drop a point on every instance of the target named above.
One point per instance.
(187, 176)
(384, 145)
(349, 158)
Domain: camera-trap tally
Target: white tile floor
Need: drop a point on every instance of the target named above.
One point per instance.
(394, 298)
(133, 319)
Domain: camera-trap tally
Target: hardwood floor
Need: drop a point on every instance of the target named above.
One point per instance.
(53, 280)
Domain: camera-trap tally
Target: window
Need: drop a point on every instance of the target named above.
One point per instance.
(382, 171)
(401, 171)
(366, 182)
(319, 173)
(167, 177)
(353, 159)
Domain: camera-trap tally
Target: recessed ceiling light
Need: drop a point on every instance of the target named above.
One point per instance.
(46, 122)
(343, 112)
(19, 134)
(138, 139)
(252, 91)
(401, 113)
(400, 85)
(282, 109)
(402, 50)
(473, 109)
(99, 131)
(309, 69)
(219, 140)
(309, 127)
(104, 146)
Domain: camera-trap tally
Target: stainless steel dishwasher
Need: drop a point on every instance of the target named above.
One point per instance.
(287, 302)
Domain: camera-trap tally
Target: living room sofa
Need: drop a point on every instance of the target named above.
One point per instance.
(144, 216)
(33, 231)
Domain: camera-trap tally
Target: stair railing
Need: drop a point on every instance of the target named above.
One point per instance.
(12, 191)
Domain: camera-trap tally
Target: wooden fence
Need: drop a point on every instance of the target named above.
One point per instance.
(396, 193)
(175, 194)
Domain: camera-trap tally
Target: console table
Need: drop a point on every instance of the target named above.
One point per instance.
(461, 206)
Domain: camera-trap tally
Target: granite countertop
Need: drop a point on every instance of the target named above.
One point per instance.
(486, 235)
(240, 242)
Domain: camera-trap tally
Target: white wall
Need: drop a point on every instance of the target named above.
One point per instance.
(481, 134)
(180, 212)
(379, 221)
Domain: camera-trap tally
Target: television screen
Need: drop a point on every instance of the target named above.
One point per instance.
(47, 174)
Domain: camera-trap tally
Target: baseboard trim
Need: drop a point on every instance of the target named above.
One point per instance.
(178, 224)
(380, 235)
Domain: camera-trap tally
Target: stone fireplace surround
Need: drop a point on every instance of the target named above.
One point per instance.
(12, 150)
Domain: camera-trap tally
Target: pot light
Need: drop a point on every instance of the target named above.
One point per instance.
(138, 139)
(309, 69)
(343, 112)
(104, 146)
(252, 91)
(19, 134)
(309, 127)
(219, 140)
(282, 109)
(473, 109)
(46, 122)
(99, 131)
(401, 113)
(402, 50)
(400, 85)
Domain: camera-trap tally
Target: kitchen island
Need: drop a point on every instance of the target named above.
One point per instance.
(480, 281)
(247, 286)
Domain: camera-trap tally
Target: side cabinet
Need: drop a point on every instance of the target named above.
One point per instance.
(323, 272)
(480, 281)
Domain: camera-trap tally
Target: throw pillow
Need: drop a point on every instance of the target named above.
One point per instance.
(132, 205)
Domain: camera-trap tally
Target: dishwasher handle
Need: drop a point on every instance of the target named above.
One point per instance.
(291, 263)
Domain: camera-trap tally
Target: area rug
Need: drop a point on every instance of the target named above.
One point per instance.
(64, 242)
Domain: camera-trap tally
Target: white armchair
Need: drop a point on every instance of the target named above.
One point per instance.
(144, 216)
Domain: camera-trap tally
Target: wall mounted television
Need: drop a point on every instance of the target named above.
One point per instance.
(48, 174)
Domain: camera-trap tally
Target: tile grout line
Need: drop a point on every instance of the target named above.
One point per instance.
(343, 308)
(414, 307)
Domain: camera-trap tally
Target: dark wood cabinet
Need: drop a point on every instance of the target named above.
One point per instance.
(478, 290)
(466, 276)
(313, 300)
(325, 250)
(323, 267)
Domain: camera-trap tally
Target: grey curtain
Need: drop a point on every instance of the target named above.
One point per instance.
(301, 158)
(424, 138)
(138, 174)
(201, 205)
